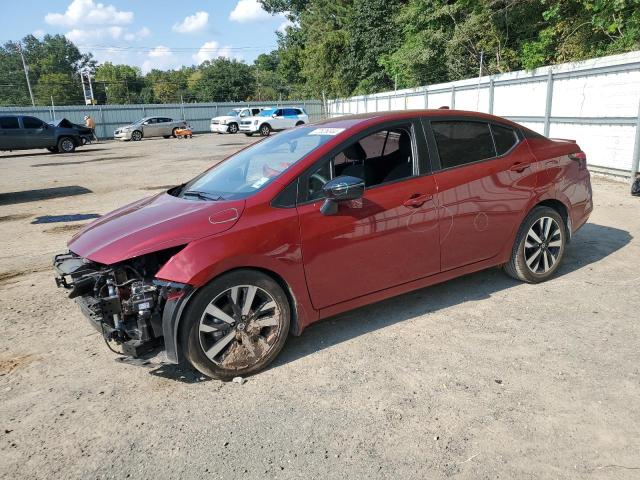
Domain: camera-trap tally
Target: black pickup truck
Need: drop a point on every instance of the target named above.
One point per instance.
(21, 132)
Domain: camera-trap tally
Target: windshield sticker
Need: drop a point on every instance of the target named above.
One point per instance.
(260, 182)
(327, 131)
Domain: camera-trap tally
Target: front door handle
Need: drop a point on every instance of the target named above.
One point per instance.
(418, 199)
(519, 167)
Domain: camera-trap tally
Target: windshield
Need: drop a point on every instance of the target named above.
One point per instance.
(255, 167)
(267, 113)
(233, 113)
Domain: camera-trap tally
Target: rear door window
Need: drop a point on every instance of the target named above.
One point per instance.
(290, 112)
(462, 142)
(504, 137)
(32, 122)
(9, 123)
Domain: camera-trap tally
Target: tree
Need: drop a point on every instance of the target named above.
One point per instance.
(118, 84)
(224, 80)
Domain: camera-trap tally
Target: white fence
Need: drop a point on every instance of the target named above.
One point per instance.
(596, 102)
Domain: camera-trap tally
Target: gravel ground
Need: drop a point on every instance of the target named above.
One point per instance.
(480, 377)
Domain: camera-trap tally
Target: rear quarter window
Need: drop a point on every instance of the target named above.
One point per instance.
(504, 137)
(462, 142)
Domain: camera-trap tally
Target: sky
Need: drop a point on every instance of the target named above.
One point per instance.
(160, 34)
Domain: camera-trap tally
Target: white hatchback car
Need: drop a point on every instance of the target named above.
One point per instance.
(273, 119)
(230, 122)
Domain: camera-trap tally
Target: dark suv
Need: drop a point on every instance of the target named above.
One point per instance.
(19, 132)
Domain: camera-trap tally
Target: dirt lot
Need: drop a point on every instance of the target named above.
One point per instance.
(481, 377)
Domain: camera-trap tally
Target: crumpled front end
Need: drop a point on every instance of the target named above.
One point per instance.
(124, 302)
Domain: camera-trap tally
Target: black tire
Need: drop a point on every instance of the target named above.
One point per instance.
(66, 145)
(249, 134)
(265, 130)
(234, 358)
(536, 255)
(233, 128)
(136, 135)
(53, 149)
(299, 123)
(173, 132)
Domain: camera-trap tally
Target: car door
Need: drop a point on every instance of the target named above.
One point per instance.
(277, 120)
(11, 135)
(486, 176)
(388, 237)
(37, 134)
(150, 127)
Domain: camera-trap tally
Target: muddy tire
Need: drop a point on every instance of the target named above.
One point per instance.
(236, 325)
(66, 145)
(136, 135)
(539, 246)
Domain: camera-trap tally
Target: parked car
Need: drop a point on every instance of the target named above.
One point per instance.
(86, 134)
(22, 132)
(273, 119)
(322, 219)
(149, 127)
(230, 122)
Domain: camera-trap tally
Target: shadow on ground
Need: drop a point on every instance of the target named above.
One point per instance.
(45, 152)
(25, 196)
(590, 245)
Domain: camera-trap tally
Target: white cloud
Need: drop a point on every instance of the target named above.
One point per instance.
(211, 50)
(87, 12)
(248, 11)
(160, 57)
(193, 23)
(115, 32)
(282, 28)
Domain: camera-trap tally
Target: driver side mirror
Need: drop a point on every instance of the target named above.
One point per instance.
(341, 189)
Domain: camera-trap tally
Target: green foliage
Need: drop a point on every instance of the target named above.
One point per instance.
(338, 48)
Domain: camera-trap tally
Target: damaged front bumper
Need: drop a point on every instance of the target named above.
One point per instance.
(136, 311)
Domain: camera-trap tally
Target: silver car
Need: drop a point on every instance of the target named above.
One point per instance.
(149, 127)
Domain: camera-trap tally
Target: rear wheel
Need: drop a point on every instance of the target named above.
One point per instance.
(539, 246)
(299, 123)
(173, 132)
(233, 128)
(265, 130)
(66, 145)
(136, 135)
(236, 325)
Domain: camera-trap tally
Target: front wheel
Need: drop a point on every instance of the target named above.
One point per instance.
(66, 145)
(539, 246)
(136, 135)
(236, 325)
(233, 128)
(265, 130)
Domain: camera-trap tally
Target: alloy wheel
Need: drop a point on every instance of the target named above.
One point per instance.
(136, 136)
(66, 145)
(542, 245)
(240, 327)
(233, 128)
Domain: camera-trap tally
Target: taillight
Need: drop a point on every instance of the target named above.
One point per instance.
(581, 158)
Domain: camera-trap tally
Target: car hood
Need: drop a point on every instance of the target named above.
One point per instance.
(226, 117)
(152, 224)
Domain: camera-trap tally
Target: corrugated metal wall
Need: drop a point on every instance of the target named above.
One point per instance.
(109, 117)
(596, 102)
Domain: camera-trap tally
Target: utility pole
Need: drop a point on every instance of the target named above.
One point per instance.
(26, 72)
(479, 77)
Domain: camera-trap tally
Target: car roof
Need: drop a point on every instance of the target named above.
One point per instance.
(349, 121)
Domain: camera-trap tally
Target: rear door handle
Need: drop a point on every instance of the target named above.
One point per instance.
(519, 167)
(417, 200)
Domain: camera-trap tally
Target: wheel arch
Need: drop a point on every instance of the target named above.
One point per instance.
(174, 312)
(559, 207)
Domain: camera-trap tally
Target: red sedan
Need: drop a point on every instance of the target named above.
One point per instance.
(319, 220)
